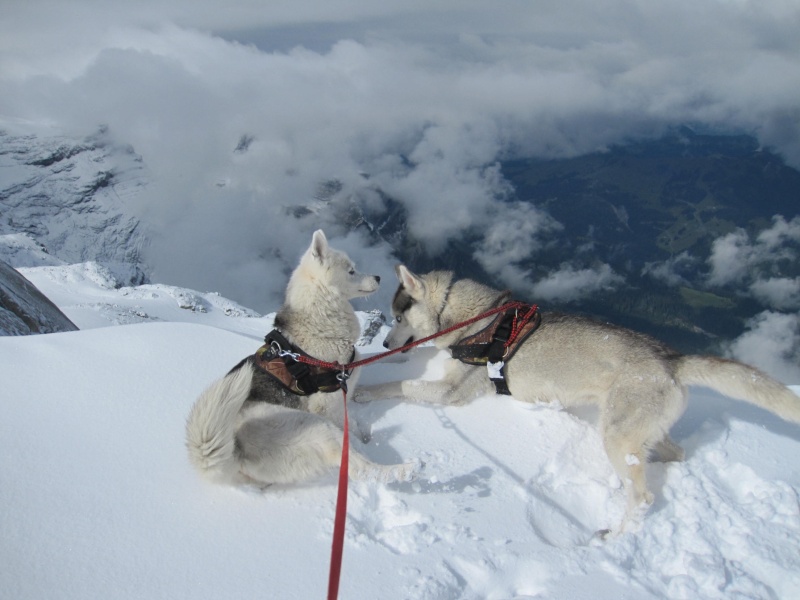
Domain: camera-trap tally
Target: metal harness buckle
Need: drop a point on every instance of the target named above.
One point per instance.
(274, 345)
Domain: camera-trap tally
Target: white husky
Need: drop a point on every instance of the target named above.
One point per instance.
(247, 428)
(638, 383)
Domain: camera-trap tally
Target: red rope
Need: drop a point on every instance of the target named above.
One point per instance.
(366, 361)
(337, 546)
(519, 323)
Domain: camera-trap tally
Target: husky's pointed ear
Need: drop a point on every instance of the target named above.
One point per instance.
(319, 245)
(412, 284)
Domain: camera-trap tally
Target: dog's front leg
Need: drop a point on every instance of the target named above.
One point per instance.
(410, 390)
(460, 384)
(368, 393)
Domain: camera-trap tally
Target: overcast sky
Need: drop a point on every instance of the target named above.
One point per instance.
(423, 96)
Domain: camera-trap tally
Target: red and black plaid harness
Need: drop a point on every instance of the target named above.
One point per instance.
(278, 358)
(497, 343)
(303, 375)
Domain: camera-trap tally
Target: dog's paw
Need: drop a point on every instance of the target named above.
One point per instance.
(633, 521)
(364, 434)
(359, 430)
(603, 535)
(408, 471)
(387, 473)
(403, 472)
(363, 396)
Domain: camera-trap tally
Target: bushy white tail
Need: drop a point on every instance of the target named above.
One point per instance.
(742, 382)
(211, 425)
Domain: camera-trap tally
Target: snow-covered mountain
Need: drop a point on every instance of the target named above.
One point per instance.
(67, 200)
(98, 498)
(70, 198)
(91, 296)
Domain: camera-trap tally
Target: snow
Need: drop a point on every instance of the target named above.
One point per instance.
(98, 500)
(22, 250)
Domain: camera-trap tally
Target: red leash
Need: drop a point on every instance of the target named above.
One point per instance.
(337, 546)
(366, 361)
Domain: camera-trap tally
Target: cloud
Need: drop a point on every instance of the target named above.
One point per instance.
(781, 232)
(516, 234)
(762, 267)
(771, 343)
(571, 283)
(423, 98)
(782, 293)
(734, 255)
(669, 271)
(731, 257)
(513, 238)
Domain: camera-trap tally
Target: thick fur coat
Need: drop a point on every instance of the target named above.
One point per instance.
(638, 384)
(239, 432)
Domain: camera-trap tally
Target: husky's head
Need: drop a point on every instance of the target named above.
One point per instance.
(417, 306)
(334, 270)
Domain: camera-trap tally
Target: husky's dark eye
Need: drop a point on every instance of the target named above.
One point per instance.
(351, 272)
(399, 318)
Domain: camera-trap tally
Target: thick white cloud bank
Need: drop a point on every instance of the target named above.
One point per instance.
(737, 260)
(423, 98)
(772, 341)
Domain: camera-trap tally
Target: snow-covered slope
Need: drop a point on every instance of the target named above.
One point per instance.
(92, 297)
(98, 499)
(71, 196)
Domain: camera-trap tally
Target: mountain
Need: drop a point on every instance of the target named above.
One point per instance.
(636, 209)
(648, 202)
(639, 208)
(92, 297)
(70, 196)
(510, 495)
(24, 309)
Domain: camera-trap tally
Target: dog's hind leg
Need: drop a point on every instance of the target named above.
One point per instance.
(363, 469)
(278, 445)
(668, 451)
(635, 418)
(629, 464)
(625, 442)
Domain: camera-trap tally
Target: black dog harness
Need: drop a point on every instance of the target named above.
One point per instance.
(496, 344)
(278, 359)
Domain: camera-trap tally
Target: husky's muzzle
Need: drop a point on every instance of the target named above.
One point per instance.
(407, 342)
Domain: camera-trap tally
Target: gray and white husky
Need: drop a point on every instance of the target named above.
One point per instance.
(245, 429)
(638, 384)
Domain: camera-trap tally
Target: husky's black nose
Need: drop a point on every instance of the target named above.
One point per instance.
(385, 344)
(377, 278)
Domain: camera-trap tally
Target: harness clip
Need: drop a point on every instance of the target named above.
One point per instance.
(276, 347)
(342, 377)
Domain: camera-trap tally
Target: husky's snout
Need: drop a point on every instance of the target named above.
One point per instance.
(406, 343)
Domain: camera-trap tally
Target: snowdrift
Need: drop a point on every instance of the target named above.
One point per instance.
(98, 499)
